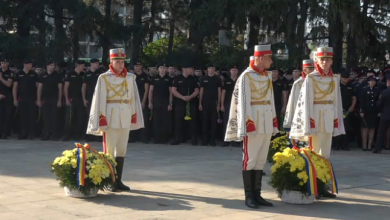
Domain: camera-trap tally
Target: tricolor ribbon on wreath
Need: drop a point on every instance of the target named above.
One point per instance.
(82, 161)
(311, 170)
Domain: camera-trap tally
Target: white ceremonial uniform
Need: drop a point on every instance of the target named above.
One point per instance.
(292, 102)
(253, 99)
(319, 114)
(115, 111)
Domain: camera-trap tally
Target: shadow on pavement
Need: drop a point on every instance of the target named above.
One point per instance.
(144, 203)
(327, 209)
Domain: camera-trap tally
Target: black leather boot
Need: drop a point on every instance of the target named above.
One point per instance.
(257, 185)
(248, 179)
(119, 169)
(327, 194)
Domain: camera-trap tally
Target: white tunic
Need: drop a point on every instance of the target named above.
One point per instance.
(253, 99)
(117, 115)
(318, 108)
(292, 102)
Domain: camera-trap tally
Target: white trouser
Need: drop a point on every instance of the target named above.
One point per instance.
(255, 151)
(115, 142)
(322, 143)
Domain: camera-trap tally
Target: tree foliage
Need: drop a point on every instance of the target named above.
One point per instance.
(48, 29)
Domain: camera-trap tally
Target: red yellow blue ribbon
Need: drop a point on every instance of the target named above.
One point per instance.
(331, 173)
(312, 187)
(81, 163)
(109, 165)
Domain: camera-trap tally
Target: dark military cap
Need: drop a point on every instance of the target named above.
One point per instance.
(234, 67)
(80, 62)
(371, 78)
(137, 63)
(386, 70)
(388, 77)
(186, 65)
(49, 62)
(370, 71)
(211, 65)
(345, 74)
(4, 60)
(27, 61)
(161, 64)
(130, 67)
(94, 60)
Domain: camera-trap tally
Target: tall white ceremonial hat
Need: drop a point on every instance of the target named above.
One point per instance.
(117, 53)
(324, 52)
(307, 64)
(263, 50)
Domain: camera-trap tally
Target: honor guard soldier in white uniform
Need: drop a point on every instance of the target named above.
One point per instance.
(307, 67)
(319, 114)
(115, 111)
(253, 120)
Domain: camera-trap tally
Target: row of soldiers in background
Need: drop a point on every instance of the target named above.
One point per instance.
(169, 100)
(176, 104)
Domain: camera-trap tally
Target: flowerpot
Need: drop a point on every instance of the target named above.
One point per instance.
(77, 194)
(297, 198)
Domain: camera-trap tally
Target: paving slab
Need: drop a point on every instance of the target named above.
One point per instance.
(182, 182)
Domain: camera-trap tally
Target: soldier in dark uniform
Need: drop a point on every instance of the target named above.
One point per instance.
(6, 105)
(349, 100)
(75, 110)
(280, 94)
(369, 112)
(50, 100)
(25, 98)
(226, 99)
(89, 83)
(143, 84)
(198, 75)
(289, 79)
(185, 89)
(384, 124)
(160, 103)
(209, 104)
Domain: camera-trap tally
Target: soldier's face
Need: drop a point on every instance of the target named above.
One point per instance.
(296, 73)
(185, 71)
(234, 72)
(152, 69)
(267, 61)
(27, 66)
(344, 80)
(4, 65)
(198, 72)
(94, 66)
(372, 83)
(50, 68)
(353, 75)
(308, 70)
(161, 70)
(138, 68)
(325, 62)
(171, 70)
(211, 70)
(118, 65)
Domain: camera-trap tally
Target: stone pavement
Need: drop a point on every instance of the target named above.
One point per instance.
(184, 183)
